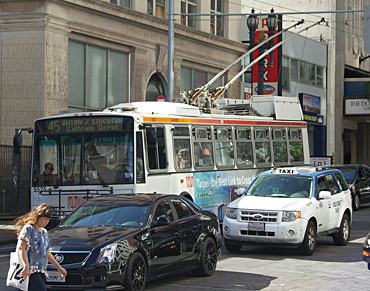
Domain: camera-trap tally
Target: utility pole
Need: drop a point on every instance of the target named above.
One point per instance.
(171, 39)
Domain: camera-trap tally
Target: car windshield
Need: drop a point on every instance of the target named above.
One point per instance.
(286, 186)
(108, 213)
(349, 174)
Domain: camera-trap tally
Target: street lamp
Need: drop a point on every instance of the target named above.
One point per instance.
(252, 23)
(271, 23)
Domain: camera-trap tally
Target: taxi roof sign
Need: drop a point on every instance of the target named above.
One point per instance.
(292, 171)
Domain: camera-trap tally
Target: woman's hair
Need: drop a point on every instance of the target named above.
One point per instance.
(43, 210)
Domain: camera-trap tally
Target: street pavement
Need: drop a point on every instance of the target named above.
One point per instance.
(331, 267)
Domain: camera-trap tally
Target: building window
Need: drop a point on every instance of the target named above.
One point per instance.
(286, 74)
(97, 77)
(188, 6)
(193, 78)
(122, 3)
(217, 22)
(302, 72)
(319, 76)
(294, 70)
(156, 8)
(311, 74)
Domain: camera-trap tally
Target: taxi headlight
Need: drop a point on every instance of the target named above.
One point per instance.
(231, 212)
(107, 254)
(290, 215)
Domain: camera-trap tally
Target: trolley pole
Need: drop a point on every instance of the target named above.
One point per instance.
(171, 39)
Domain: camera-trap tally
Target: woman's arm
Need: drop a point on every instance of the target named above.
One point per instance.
(22, 249)
(54, 262)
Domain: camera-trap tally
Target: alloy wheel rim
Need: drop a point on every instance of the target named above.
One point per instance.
(311, 238)
(138, 273)
(357, 201)
(210, 257)
(345, 229)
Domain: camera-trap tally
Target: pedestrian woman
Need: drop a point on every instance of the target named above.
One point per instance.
(34, 247)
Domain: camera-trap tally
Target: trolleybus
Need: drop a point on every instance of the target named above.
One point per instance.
(160, 147)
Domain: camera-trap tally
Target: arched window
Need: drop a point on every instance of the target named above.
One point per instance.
(155, 88)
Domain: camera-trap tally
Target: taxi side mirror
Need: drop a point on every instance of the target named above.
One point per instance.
(324, 195)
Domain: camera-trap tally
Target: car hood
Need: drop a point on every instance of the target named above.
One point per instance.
(88, 237)
(269, 203)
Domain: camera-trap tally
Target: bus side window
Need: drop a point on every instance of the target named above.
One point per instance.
(262, 144)
(224, 147)
(203, 147)
(156, 148)
(140, 170)
(279, 146)
(244, 148)
(295, 146)
(181, 145)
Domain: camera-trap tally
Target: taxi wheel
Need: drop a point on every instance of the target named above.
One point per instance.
(342, 237)
(208, 259)
(309, 243)
(232, 247)
(136, 273)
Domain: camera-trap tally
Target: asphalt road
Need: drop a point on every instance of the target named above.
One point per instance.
(265, 268)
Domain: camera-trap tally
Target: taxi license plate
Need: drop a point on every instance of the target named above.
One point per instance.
(55, 277)
(256, 226)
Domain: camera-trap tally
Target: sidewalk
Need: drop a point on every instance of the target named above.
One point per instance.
(7, 234)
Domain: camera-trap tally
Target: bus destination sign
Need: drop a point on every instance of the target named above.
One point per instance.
(81, 124)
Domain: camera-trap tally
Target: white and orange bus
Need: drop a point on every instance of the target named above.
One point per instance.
(161, 147)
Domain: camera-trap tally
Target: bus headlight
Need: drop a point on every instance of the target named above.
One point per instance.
(290, 216)
(231, 212)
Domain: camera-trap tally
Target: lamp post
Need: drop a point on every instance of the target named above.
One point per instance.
(252, 23)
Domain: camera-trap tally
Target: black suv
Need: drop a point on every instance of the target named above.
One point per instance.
(358, 180)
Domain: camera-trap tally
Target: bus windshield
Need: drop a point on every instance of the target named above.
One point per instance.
(83, 151)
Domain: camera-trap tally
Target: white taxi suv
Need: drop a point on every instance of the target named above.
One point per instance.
(290, 206)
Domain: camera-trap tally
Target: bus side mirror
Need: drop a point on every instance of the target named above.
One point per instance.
(17, 141)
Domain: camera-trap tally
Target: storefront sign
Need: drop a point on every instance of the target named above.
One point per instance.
(311, 107)
(311, 104)
(320, 161)
(357, 107)
(314, 118)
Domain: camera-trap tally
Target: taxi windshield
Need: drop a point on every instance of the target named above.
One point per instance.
(286, 186)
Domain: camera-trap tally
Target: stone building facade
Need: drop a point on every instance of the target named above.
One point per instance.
(41, 40)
